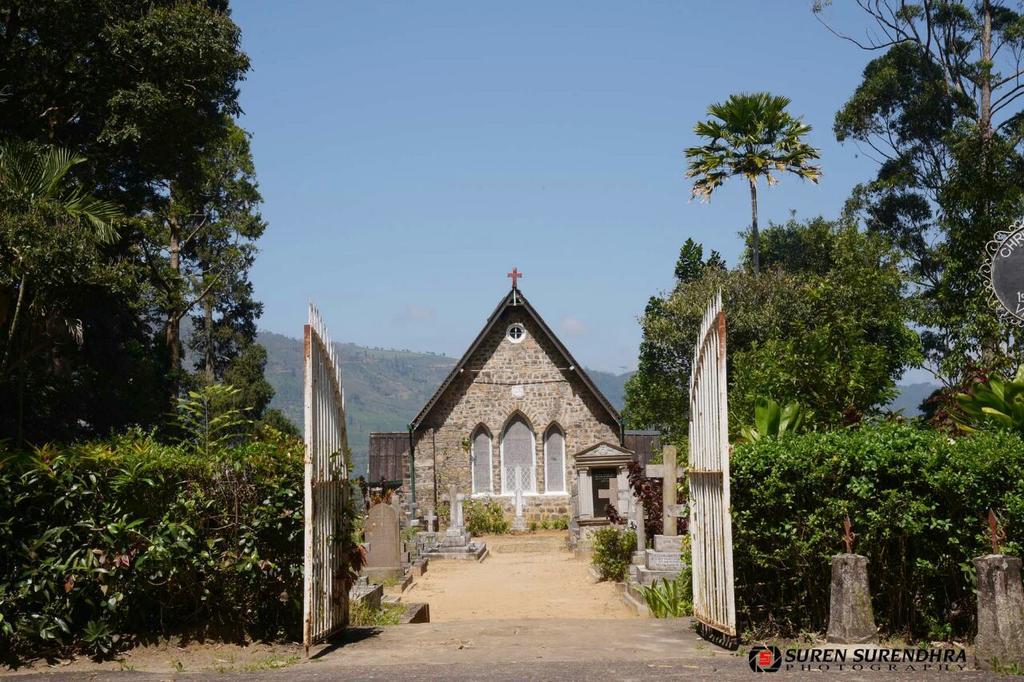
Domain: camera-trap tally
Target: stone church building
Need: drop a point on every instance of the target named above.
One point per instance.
(516, 410)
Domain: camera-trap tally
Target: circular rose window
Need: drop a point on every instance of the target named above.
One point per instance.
(516, 333)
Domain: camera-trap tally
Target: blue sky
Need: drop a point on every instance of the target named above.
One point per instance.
(411, 153)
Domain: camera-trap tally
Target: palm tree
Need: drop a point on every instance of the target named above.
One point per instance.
(751, 135)
(34, 178)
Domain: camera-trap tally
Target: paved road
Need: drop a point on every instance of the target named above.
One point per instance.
(639, 649)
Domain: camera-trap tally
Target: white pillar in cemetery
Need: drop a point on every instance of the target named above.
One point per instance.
(669, 509)
(520, 521)
(586, 495)
(455, 520)
(641, 529)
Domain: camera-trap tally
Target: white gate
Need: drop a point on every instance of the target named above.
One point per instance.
(325, 592)
(714, 600)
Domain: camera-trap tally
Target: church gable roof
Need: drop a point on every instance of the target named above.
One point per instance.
(514, 299)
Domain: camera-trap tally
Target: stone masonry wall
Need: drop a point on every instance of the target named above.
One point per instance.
(551, 393)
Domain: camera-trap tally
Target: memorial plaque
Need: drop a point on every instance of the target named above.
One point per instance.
(664, 561)
(1006, 273)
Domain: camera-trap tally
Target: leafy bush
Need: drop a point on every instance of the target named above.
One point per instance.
(613, 552)
(670, 598)
(111, 541)
(485, 517)
(917, 500)
(995, 403)
(774, 420)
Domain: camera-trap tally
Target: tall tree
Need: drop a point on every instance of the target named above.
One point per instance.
(146, 92)
(217, 259)
(754, 136)
(939, 109)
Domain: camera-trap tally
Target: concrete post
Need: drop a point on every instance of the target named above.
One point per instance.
(1000, 639)
(851, 619)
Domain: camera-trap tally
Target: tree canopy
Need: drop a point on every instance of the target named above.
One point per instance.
(938, 108)
(823, 325)
(751, 135)
(138, 101)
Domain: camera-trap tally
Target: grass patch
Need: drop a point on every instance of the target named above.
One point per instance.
(362, 614)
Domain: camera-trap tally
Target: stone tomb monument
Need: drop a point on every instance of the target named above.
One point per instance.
(456, 542)
(383, 543)
(665, 560)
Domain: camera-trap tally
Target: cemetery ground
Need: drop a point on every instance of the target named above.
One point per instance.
(524, 576)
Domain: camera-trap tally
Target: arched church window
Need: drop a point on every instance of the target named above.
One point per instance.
(554, 460)
(480, 457)
(518, 458)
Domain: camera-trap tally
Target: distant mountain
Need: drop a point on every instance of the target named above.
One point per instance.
(910, 396)
(612, 385)
(384, 389)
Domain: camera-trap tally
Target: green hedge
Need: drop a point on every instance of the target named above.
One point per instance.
(109, 543)
(917, 500)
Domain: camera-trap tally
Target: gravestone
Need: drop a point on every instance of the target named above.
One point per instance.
(640, 555)
(365, 592)
(665, 559)
(455, 535)
(431, 519)
(455, 542)
(383, 543)
(668, 492)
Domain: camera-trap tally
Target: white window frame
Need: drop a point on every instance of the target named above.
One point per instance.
(508, 331)
(490, 461)
(552, 428)
(533, 451)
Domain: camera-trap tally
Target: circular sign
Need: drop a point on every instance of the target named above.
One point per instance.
(1006, 273)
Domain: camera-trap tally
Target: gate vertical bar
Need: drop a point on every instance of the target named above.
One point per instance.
(326, 487)
(714, 599)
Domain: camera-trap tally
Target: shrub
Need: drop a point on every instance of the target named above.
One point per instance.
(560, 523)
(485, 517)
(917, 500)
(108, 541)
(613, 552)
(997, 403)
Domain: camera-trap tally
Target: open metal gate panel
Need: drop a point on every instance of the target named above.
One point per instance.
(325, 597)
(714, 600)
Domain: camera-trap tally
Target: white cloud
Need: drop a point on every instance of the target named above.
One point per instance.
(572, 326)
(415, 313)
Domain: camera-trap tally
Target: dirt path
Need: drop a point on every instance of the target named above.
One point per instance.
(526, 576)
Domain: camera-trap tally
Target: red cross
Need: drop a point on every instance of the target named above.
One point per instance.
(515, 274)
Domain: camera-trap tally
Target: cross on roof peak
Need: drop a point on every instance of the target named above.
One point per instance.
(514, 275)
